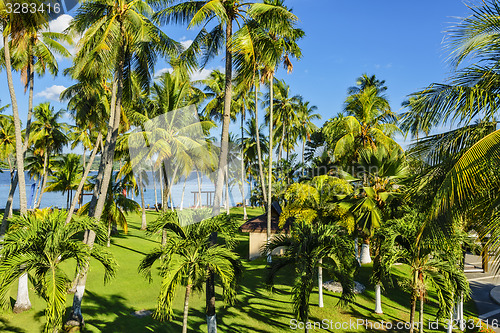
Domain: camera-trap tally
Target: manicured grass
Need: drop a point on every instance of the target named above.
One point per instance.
(108, 308)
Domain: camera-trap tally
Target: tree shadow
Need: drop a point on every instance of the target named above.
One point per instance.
(5, 326)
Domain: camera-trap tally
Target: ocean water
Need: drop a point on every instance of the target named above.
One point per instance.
(58, 200)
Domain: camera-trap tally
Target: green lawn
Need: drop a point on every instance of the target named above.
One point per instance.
(108, 308)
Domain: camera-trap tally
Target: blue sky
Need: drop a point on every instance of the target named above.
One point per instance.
(400, 42)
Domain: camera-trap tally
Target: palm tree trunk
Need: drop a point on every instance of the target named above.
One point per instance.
(270, 169)
(303, 160)
(183, 191)
(22, 301)
(421, 315)
(198, 199)
(365, 257)
(259, 153)
(96, 205)
(378, 299)
(17, 129)
(421, 296)
(67, 199)
(154, 184)
(161, 185)
(8, 206)
(15, 180)
(84, 178)
(226, 119)
(320, 283)
(227, 190)
(45, 176)
(282, 142)
(144, 224)
(413, 301)
(186, 308)
(243, 173)
(109, 234)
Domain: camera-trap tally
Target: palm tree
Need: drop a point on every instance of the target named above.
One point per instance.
(66, 177)
(115, 34)
(383, 174)
(316, 203)
(306, 116)
(41, 243)
(278, 29)
(432, 262)
(214, 92)
(469, 180)
(367, 124)
(185, 258)
(285, 117)
(305, 246)
(116, 207)
(49, 137)
(88, 103)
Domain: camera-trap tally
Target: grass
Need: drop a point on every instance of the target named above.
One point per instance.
(109, 308)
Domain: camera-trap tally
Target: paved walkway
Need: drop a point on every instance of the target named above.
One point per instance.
(482, 285)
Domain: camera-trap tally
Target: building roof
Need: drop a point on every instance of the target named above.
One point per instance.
(259, 224)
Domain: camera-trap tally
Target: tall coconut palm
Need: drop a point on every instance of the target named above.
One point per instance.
(66, 176)
(184, 260)
(88, 103)
(49, 137)
(307, 127)
(285, 116)
(368, 123)
(41, 243)
(115, 34)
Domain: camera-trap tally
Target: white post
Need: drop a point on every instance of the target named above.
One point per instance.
(378, 299)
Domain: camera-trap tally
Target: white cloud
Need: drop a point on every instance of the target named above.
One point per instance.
(51, 93)
(61, 23)
(186, 43)
(196, 76)
(162, 71)
(201, 75)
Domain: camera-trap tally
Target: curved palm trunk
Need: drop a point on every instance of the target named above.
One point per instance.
(259, 153)
(144, 223)
(8, 207)
(22, 302)
(17, 128)
(183, 191)
(96, 206)
(84, 178)
(186, 307)
(226, 119)
(45, 176)
(270, 169)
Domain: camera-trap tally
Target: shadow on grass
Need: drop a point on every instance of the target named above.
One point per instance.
(5, 326)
